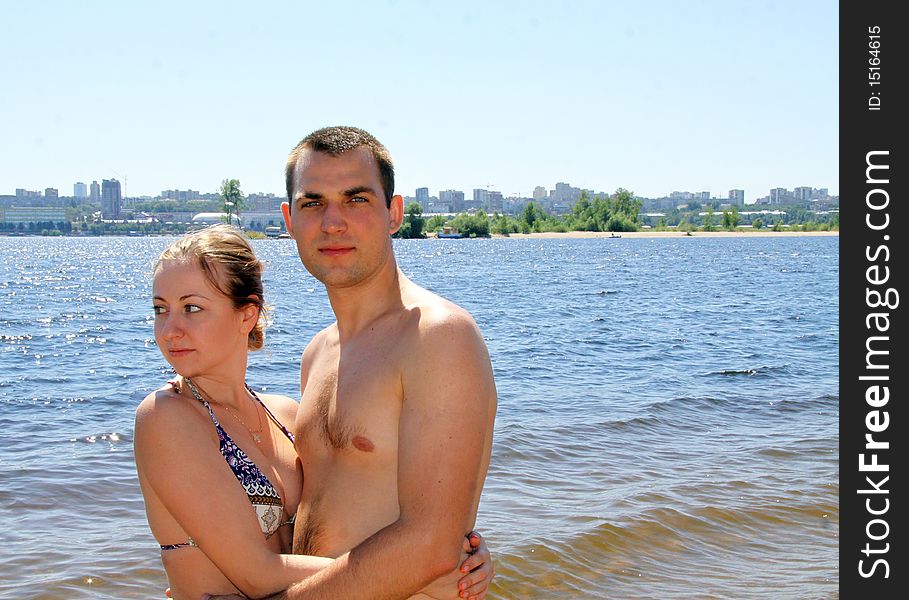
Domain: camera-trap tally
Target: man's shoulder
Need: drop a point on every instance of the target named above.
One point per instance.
(447, 353)
(441, 329)
(440, 316)
(325, 336)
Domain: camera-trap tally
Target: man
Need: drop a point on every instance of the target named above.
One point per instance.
(395, 423)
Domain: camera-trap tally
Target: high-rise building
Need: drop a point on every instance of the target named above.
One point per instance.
(423, 197)
(110, 199)
(180, 195)
(495, 202)
(803, 194)
(737, 197)
(264, 203)
(453, 198)
(80, 190)
(539, 193)
(480, 198)
(780, 196)
(95, 195)
(51, 195)
(564, 194)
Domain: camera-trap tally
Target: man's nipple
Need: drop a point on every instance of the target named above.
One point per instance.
(362, 443)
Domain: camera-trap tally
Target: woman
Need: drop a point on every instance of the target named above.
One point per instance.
(216, 464)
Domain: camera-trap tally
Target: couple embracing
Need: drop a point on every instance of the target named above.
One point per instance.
(369, 486)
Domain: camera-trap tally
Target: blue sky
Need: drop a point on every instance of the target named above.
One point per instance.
(653, 96)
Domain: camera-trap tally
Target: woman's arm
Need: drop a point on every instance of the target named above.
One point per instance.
(477, 565)
(180, 465)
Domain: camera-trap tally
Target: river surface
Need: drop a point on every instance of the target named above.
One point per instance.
(667, 423)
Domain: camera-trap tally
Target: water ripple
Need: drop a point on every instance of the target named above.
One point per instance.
(664, 405)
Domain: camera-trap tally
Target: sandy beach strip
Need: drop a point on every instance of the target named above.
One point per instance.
(668, 234)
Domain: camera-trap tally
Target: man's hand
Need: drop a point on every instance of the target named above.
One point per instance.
(470, 580)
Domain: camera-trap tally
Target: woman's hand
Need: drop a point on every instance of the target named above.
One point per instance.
(471, 579)
(478, 568)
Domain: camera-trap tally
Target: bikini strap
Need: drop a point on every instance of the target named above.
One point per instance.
(198, 396)
(274, 419)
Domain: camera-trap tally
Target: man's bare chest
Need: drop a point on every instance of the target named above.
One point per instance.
(350, 406)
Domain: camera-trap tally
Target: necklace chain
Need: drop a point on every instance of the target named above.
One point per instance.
(256, 434)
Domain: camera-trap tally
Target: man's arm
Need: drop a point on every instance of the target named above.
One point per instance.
(445, 439)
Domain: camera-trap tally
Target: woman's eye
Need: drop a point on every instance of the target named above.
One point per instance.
(191, 308)
(159, 310)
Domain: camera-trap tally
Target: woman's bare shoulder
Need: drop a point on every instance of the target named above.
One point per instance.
(164, 409)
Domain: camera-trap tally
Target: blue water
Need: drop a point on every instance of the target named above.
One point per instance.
(667, 422)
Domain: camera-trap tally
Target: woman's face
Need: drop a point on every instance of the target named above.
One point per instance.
(197, 328)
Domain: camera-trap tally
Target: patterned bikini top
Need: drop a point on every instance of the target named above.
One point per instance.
(263, 496)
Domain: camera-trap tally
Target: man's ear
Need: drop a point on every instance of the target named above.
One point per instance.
(395, 214)
(285, 210)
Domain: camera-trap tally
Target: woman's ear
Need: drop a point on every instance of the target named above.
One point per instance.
(250, 315)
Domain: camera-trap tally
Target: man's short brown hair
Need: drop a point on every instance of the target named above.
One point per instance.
(335, 141)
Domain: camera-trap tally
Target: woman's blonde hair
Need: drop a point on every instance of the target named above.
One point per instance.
(230, 265)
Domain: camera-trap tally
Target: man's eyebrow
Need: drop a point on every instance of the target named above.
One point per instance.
(349, 192)
(359, 189)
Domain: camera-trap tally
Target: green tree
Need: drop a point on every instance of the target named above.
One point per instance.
(626, 206)
(708, 220)
(503, 224)
(757, 223)
(476, 225)
(435, 222)
(232, 199)
(529, 216)
(618, 212)
(797, 214)
(731, 218)
(412, 227)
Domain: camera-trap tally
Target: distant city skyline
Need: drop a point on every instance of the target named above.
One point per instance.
(419, 194)
(653, 96)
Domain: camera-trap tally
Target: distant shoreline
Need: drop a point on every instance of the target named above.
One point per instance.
(667, 234)
(544, 235)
